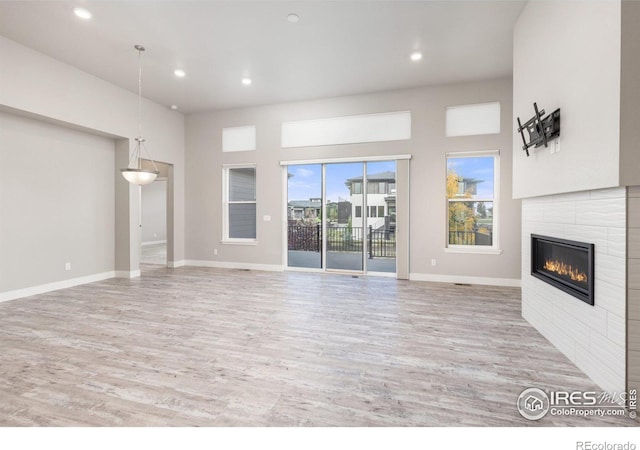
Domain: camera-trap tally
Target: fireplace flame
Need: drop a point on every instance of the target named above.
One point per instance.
(562, 268)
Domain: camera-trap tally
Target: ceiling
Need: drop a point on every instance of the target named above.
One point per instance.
(336, 48)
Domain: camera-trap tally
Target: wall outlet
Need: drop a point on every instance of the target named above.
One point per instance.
(434, 262)
(555, 146)
(267, 218)
(155, 235)
(67, 266)
(215, 251)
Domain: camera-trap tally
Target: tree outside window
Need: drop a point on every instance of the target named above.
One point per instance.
(470, 200)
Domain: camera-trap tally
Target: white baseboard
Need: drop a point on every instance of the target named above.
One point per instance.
(382, 274)
(153, 243)
(234, 265)
(175, 264)
(127, 274)
(304, 269)
(486, 281)
(49, 287)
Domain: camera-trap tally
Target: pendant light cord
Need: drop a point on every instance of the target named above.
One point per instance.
(139, 92)
(139, 107)
(137, 154)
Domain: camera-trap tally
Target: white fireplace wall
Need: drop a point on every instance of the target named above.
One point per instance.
(593, 337)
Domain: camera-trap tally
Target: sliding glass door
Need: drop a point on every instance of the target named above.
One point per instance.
(304, 216)
(344, 221)
(381, 216)
(342, 216)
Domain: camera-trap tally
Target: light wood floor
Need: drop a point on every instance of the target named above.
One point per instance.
(210, 347)
(154, 254)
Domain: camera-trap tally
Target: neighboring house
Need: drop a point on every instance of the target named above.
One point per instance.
(468, 186)
(381, 201)
(344, 212)
(305, 209)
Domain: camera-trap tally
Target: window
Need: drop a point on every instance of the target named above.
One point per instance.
(240, 204)
(357, 188)
(470, 120)
(374, 187)
(380, 211)
(471, 200)
(372, 211)
(392, 126)
(238, 139)
(358, 211)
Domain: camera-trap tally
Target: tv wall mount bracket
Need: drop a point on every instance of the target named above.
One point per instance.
(541, 129)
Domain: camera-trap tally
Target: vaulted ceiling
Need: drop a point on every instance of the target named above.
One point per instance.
(335, 48)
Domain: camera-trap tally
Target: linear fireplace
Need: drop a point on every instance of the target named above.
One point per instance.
(567, 265)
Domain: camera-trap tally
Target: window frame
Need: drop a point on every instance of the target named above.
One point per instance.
(226, 169)
(483, 249)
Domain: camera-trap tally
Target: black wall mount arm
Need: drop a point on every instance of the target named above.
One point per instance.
(541, 129)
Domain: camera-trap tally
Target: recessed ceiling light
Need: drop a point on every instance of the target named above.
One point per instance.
(179, 73)
(293, 18)
(174, 107)
(246, 81)
(82, 13)
(416, 56)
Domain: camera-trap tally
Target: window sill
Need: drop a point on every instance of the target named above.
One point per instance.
(473, 250)
(239, 242)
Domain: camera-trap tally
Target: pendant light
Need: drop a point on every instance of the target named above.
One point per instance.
(134, 173)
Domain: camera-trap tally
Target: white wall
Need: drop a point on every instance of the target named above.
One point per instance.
(630, 98)
(154, 212)
(593, 337)
(36, 85)
(56, 203)
(567, 56)
(633, 288)
(428, 145)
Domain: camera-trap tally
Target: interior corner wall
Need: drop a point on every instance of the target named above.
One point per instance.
(633, 288)
(56, 203)
(567, 56)
(428, 146)
(630, 94)
(36, 85)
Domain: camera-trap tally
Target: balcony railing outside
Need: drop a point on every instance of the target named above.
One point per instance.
(470, 238)
(381, 243)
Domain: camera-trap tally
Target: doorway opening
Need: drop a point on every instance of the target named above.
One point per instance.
(153, 219)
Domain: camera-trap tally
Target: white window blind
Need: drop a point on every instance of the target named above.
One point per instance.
(240, 205)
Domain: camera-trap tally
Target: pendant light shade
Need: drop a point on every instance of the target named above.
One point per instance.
(139, 176)
(135, 173)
